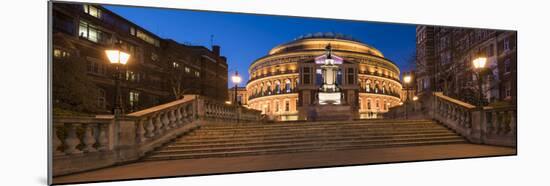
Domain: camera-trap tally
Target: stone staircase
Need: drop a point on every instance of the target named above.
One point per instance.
(224, 140)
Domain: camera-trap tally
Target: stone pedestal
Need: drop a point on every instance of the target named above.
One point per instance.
(333, 112)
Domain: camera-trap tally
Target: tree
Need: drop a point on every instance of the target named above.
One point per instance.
(72, 89)
(176, 78)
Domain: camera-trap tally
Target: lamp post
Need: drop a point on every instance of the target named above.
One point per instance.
(479, 65)
(407, 80)
(117, 58)
(236, 80)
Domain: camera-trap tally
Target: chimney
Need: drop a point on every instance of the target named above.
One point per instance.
(216, 50)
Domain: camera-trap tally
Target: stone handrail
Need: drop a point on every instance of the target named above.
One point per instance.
(500, 125)
(86, 143)
(213, 110)
(82, 139)
(494, 126)
(455, 114)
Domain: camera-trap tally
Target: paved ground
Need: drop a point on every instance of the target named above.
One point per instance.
(185, 167)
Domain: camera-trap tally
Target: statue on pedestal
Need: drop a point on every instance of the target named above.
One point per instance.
(329, 93)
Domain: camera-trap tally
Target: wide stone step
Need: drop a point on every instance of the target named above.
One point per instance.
(313, 127)
(297, 149)
(318, 127)
(231, 143)
(256, 126)
(201, 136)
(307, 143)
(269, 138)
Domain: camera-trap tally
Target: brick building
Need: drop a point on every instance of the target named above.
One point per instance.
(444, 62)
(159, 70)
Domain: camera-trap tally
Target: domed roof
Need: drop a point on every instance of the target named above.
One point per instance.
(318, 41)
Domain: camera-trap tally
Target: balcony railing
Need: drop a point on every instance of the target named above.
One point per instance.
(388, 93)
(273, 74)
(271, 93)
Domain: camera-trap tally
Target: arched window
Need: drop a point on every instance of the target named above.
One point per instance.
(262, 89)
(277, 87)
(287, 85)
(269, 89)
(368, 104)
(367, 88)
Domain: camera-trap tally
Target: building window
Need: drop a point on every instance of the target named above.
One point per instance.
(197, 74)
(377, 104)
(368, 87)
(287, 105)
(90, 32)
(127, 46)
(287, 86)
(92, 67)
(360, 105)
(147, 38)
(506, 44)
(508, 90)
(368, 104)
(101, 98)
(351, 76)
(133, 98)
(131, 76)
(307, 75)
(276, 106)
(58, 53)
(507, 65)
(93, 11)
(175, 64)
(187, 70)
(278, 87)
(154, 56)
(385, 106)
(133, 31)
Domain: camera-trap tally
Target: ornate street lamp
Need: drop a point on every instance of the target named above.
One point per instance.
(236, 80)
(479, 65)
(407, 80)
(117, 58)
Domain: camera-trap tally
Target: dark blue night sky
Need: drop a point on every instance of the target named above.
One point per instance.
(244, 38)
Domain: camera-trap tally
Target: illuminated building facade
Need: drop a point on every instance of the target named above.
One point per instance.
(285, 84)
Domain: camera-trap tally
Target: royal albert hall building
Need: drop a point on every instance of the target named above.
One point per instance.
(284, 83)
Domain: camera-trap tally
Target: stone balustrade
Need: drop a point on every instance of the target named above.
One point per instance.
(81, 135)
(220, 111)
(490, 125)
(500, 125)
(454, 114)
(86, 143)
